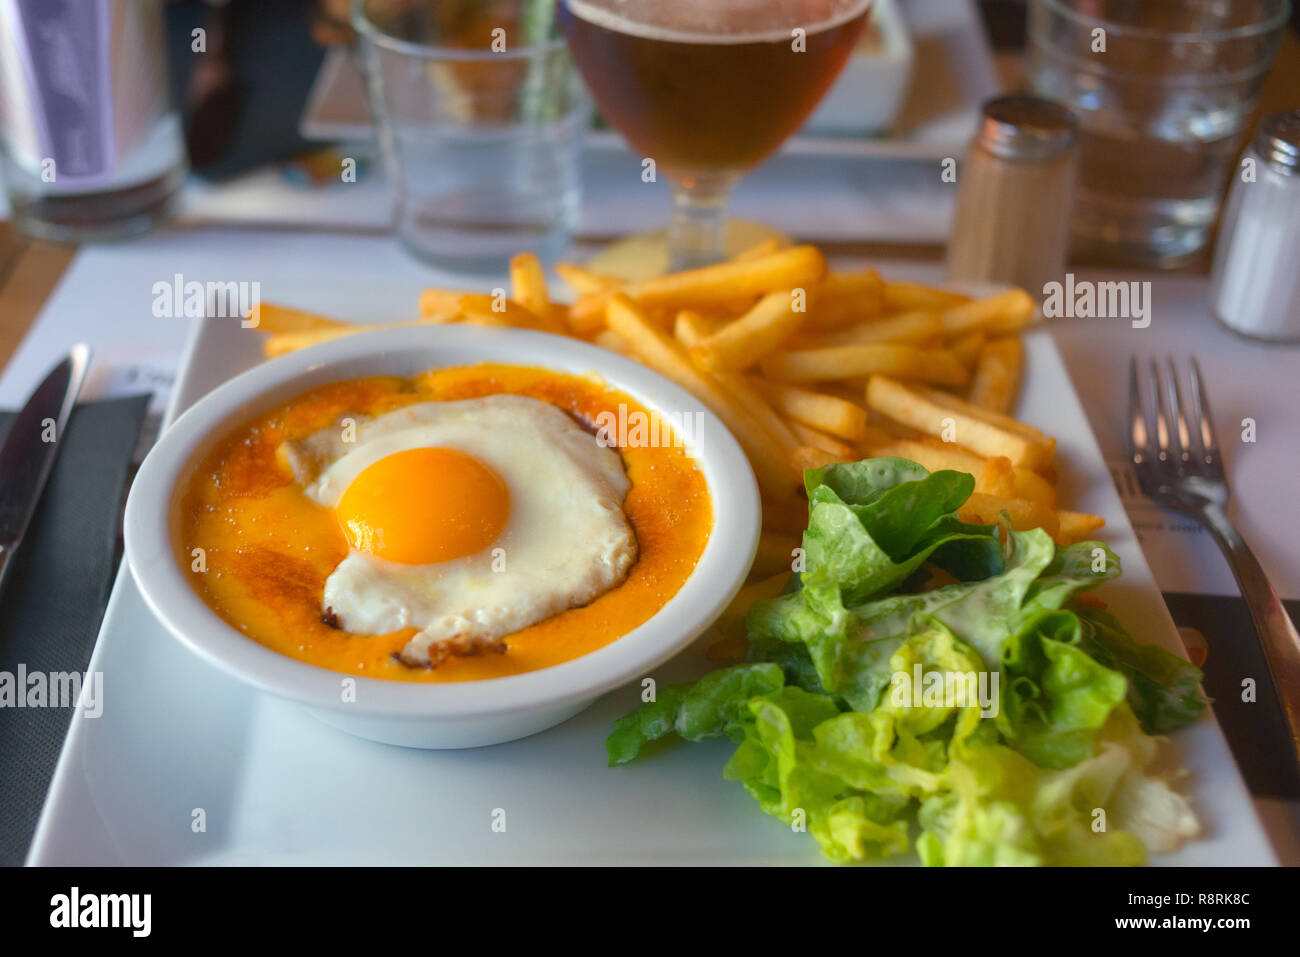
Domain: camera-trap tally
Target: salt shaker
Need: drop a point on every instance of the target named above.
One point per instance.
(1255, 283)
(1015, 191)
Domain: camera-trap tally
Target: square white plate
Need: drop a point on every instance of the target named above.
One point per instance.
(179, 744)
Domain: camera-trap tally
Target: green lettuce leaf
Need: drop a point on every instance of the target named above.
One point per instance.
(872, 524)
(996, 715)
(850, 779)
(850, 647)
(1164, 691)
(1055, 698)
(703, 709)
(1106, 810)
(787, 763)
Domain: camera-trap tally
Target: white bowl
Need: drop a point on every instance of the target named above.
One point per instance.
(451, 715)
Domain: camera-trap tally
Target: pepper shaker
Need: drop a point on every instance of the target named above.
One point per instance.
(1015, 191)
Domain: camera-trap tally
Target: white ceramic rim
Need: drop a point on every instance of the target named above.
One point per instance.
(152, 508)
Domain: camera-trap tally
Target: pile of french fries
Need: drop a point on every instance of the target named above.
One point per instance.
(806, 366)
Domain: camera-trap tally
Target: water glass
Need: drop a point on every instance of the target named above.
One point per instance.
(1162, 90)
(480, 119)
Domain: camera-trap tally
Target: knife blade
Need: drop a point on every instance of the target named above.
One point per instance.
(31, 446)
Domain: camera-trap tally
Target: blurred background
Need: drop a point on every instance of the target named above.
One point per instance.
(275, 100)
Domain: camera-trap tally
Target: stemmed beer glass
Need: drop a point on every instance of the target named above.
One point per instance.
(707, 89)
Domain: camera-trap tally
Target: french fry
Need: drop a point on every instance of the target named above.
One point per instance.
(775, 554)
(967, 348)
(985, 415)
(982, 509)
(482, 310)
(273, 319)
(749, 595)
(611, 340)
(442, 301)
(732, 644)
(847, 362)
(997, 374)
(824, 412)
(733, 309)
(1001, 313)
(847, 298)
(740, 344)
(762, 412)
(788, 513)
(888, 429)
(842, 451)
(692, 328)
(935, 458)
(665, 356)
(981, 431)
(875, 436)
(799, 267)
(1077, 526)
(584, 281)
(528, 288)
(806, 457)
(283, 343)
(910, 296)
(1031, 485)
(997, 478)
(921, 327)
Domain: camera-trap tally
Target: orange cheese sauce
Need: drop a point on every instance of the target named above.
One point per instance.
(267, 548)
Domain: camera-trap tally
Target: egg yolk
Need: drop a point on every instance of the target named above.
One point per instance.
(421, 506)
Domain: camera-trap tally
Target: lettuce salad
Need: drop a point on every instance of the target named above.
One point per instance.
(841, 731)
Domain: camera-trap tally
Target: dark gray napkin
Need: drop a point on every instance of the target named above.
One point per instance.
(1256, 730)
(54, 598)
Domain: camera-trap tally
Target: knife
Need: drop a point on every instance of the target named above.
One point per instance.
(31, 446)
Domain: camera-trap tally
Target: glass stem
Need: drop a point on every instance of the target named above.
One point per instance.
(697, 233)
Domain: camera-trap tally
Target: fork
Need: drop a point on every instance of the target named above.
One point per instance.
(1178, 464)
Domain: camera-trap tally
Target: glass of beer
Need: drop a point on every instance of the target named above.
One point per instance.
(707, 89)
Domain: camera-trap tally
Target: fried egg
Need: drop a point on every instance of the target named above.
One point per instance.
(468, 520)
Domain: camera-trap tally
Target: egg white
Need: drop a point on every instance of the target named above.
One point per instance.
(566, 540)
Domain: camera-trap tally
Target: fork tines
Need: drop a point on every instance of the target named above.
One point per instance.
(1167, 439)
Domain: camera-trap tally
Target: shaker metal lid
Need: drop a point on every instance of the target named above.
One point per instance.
(1026, 127)
(1278, 141)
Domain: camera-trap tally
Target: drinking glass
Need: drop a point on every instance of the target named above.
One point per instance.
(90, 146)
(707, 89)
(480, 117)
(1162, 90)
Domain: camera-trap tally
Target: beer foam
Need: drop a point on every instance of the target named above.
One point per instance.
(734, 23)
